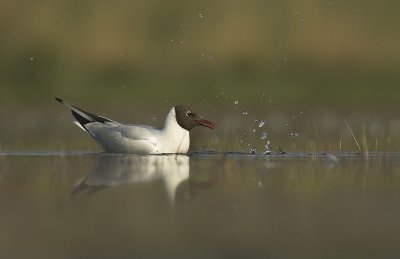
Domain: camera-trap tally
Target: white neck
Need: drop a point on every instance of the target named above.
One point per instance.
(177, 138)
(171, 124)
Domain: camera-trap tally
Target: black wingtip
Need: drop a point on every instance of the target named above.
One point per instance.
(58, 100)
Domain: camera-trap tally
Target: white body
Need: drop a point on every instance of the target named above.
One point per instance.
(141, 139)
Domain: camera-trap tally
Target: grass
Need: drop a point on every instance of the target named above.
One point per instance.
(352, 134)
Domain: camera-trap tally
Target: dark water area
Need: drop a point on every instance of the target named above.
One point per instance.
(205, 205)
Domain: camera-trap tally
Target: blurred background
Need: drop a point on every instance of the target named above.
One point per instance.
(304, 67)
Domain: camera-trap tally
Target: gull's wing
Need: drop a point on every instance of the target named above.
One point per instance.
(83, 118)
(125, 138)
(114, 136)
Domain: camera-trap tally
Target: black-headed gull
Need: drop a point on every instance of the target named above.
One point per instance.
(116, 137)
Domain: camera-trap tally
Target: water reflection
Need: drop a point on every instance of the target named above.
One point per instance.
(202, 205)
(113, 171)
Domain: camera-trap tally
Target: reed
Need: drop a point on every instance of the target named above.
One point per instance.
(363, 148)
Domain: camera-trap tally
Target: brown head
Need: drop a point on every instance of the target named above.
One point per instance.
(188, 119)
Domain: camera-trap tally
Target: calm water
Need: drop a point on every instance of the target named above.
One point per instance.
(206, 205)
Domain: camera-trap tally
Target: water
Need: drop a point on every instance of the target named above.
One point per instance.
(83, 204)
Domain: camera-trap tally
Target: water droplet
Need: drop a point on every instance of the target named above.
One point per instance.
(262, 123)
(294, 135)
(254, 130)
(263, 135)
(236, 102)
(244, 112)
(200, 15)
(266, 146)
(31, 58)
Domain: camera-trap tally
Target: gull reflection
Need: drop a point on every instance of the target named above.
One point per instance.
(116, 170)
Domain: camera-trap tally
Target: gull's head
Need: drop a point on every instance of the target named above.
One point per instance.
(188, 118)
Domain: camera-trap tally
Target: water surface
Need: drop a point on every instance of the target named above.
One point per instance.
(82, 204)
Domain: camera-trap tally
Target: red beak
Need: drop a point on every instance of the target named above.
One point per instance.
(206, 123)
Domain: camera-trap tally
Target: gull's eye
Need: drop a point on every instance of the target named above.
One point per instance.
(189, 113)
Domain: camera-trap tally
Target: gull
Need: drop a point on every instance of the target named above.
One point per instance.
(115, 137)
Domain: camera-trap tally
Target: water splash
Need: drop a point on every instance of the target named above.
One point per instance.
(262, 123)
(253, 151)
(244, 112)
(266, 146)
(263, 135)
